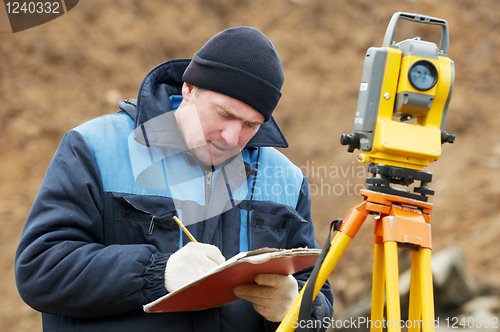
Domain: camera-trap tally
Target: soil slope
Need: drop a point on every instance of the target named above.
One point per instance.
(58, 75)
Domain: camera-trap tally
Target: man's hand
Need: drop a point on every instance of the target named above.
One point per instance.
(190, 262)
(272, 295)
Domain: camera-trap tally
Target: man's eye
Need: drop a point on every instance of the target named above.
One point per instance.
(223, 115)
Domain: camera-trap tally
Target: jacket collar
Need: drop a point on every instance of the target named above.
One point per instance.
(165, 80)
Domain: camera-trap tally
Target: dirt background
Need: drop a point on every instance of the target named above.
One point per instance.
(60, 74)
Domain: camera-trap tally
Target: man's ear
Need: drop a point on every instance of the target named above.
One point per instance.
(187, 91)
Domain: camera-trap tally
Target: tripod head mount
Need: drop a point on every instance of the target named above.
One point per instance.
(384, 177)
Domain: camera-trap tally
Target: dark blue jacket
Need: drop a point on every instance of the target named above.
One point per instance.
(95, 244)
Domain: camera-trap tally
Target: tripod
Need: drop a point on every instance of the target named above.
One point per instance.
(402, 220)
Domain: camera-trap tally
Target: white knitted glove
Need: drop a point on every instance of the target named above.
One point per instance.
(189, 263)
(272, 295)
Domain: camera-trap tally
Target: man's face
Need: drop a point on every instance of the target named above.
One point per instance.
(227, 124)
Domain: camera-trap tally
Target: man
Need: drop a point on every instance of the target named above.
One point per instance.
(100, 241)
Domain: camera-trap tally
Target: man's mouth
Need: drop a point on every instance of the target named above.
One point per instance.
(219, 148)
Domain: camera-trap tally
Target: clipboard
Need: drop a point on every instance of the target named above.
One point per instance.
(215, 288)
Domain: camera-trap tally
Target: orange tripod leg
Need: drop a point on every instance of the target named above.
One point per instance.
(378, 289)
(421, 313)
(415, 308)
(427, 290)
(338, 246)
(392, 286)
(349, 228)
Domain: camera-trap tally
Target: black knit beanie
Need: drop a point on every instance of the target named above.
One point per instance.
(241, 63)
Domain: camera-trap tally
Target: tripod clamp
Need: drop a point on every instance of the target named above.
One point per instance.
(384, 176)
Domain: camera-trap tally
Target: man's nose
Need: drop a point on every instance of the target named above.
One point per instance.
(231, 133)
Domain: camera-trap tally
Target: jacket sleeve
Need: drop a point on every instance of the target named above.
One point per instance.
(62, 265)
(302, 234)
